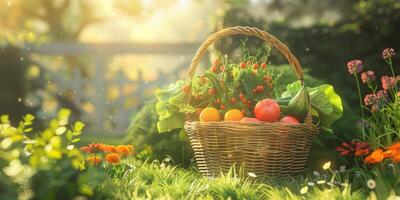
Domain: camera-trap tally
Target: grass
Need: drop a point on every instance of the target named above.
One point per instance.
(163, 181)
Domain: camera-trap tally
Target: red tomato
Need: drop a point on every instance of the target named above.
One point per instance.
(267, 110)
(212, 91)
(264, 65)
(214, 69)
(243, 65)
(290, 120)
(255, 66)
(249, 119)
(260, 88)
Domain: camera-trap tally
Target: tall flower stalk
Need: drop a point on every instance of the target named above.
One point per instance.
(387, 55)
(354, 67)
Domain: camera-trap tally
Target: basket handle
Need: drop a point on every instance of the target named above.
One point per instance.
(249, 31)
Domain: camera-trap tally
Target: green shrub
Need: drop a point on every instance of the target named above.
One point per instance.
(41, 164)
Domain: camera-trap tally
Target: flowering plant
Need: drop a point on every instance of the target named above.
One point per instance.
(380, 112)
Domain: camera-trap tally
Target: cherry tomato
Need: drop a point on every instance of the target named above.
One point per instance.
(214, 69)
(212, 91)
(243, 65)
(186, 89)
(222, 107)
(267, 110)
(264, 65)
(290, 120)
(233, 100)
(255, 66)
(260, 88)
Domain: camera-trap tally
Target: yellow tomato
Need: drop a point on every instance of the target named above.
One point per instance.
(210, 114)
(234, 115)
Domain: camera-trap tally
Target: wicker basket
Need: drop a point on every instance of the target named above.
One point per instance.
(265, 149)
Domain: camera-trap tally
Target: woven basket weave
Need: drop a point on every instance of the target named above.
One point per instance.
(265, 149)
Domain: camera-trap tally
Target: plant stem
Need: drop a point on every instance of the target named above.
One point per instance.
(359, 95)
(394, 76)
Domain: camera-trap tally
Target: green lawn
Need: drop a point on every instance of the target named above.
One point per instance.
(163, 181)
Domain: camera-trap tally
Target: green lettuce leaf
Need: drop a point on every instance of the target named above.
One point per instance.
(325, 103)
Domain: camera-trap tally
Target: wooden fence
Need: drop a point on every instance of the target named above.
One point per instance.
(107, 116)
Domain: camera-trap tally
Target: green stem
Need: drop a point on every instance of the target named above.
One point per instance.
(394, 75)
(360, 101)
(359, 95)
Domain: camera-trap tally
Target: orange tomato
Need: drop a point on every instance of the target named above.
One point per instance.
(210, 114)
(233, 115)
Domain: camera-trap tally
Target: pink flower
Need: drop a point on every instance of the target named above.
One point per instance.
(376, 101)
(388, 82)
(370, 99)
(388, 53)
(367, 77)
(354, 66)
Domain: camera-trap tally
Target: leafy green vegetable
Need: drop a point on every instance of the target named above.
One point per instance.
(325, 103)
(170, 101)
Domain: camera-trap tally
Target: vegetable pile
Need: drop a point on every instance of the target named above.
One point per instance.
(245, 92)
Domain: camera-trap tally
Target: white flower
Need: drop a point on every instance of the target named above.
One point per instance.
(304, 190)
(326, 166)
(316, 173)
(342, 169)
(371, 184)
(391, 165)
(251, 174)
(310, 183)
(321, 182)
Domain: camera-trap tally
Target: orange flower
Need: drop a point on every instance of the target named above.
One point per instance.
(396, 158)
(107, 148)
(361, 152)
(375, 157)
(91, 148)
(395, 148)
(387, 153)
(124, 150)
(94, 160)
(112, 158)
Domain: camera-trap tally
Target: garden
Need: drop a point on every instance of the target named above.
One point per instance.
(248, 100)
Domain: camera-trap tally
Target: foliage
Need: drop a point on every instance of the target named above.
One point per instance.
(325, 103)
(143, 131)
(41, 165)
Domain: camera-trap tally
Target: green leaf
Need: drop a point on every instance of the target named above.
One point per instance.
(4, 119)
(64, 113)
(78, 126)
(61, 130)
(320, 102)
(175, 121)
(76, 140)
(28, 130)
(171, 90)
(337, 107)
